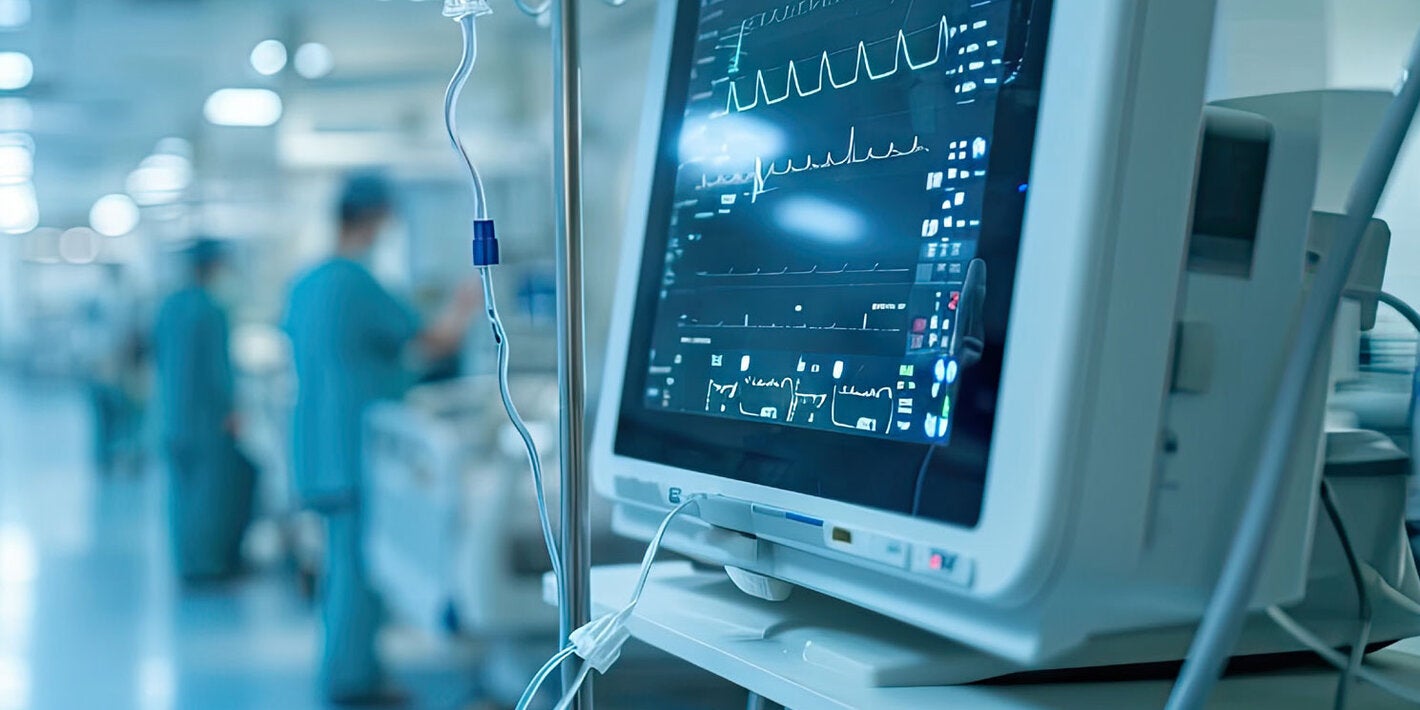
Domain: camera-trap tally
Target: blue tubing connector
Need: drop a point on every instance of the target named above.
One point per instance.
(485, 243)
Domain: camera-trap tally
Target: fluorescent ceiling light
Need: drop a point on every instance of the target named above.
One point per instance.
(243, 107)
(160, 179)
(17, 162)
(19, 210)
(269, 57)
(79, 245)
(14, 13)
(16, 71)
(314, 60)
(173, 145)
(113, 215)
(16, 114)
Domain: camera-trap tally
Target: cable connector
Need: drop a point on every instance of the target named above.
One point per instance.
(599, 642)
(485, 243)
(459, 9)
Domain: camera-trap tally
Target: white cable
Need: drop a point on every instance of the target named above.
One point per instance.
(599, 642)
(534, 460)
(465, 12)
(451, 103)
(1354, 663)
(1223, 620)
(1339, 660)
(541, 676)
(571, 693)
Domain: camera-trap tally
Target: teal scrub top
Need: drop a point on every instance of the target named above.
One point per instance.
(190, 339)
(347, 335)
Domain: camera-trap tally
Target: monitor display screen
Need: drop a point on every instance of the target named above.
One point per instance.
(831, 246)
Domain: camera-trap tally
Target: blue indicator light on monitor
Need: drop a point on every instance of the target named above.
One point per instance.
(1022, 187)
(803, 519)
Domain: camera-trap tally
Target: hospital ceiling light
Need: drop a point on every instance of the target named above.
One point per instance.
(243, 107)
(17, 159)
(160, 179)
(314, 60)
(114, 215)
(173, 145)
(269, 57)
(14, 13)
(80, 245)
(16, 114)
(16, 71)
(19, 210)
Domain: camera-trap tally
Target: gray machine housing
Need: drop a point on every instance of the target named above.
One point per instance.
(1128, 429)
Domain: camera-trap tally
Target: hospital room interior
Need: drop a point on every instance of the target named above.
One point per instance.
(706, 354)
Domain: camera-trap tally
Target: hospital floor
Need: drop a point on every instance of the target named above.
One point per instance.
(91, 615)
(93, 618)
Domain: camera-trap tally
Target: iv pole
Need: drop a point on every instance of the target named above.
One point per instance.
(574, 598)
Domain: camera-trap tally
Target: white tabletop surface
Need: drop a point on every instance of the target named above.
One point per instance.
(698, 616)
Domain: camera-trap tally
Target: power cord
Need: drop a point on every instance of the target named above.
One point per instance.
(1363, 598)
(1338, 660)
(599, 642)
(1354, 664)
(486, 256)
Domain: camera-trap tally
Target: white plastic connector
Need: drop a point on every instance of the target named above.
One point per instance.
(599, 642)
(459, 9)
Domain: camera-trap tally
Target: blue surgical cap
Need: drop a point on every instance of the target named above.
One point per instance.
(366, 196)
(206, 252)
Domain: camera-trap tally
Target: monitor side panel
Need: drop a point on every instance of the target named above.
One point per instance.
(1240, 321)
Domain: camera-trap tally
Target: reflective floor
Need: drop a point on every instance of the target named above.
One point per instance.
(91, 617)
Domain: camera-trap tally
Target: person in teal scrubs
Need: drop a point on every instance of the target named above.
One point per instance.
(350, 339)
(210, 491)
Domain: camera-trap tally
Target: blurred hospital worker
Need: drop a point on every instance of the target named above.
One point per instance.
(209, 498)
(349, 338)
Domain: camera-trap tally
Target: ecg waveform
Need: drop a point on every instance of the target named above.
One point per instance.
(862, 65)
(747, 325)
(877, 268)
(767, 18)
(759, 178)
(795, 403)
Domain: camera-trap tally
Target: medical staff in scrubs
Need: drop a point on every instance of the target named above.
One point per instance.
(351, 340)
(210, 491)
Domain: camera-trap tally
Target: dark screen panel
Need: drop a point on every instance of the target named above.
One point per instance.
(831, 247)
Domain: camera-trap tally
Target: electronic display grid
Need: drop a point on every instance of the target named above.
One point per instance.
(831, 246)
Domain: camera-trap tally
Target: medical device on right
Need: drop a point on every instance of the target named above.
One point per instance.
(971, 314)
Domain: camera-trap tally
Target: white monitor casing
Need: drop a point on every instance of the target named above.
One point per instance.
(1107, 500)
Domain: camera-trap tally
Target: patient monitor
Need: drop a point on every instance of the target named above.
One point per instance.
(965, 312)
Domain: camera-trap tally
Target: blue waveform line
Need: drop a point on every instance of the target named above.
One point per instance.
(826, 79)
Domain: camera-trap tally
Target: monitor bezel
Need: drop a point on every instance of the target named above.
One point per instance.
(1049, 361)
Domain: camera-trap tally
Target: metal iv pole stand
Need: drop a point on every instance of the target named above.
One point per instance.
(574, 598)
